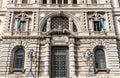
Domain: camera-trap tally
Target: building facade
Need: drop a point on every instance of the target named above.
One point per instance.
(68, 38)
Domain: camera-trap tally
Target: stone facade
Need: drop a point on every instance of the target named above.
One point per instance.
(48, 25)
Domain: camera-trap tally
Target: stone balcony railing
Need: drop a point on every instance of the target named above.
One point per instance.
(106, 5)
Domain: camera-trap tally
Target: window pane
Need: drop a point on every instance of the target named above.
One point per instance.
(24, 1)
(74, 1)
(22, 26)
(44, 1)
(54, 1)
(59, 1)
(119, 2)
(96, 25)
(19, 59)
(93, 1)
(65, 1)
(100, 59)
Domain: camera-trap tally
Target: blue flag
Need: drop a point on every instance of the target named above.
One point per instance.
(100, 24)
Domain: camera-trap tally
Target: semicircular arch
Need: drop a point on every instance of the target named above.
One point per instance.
(43, 20)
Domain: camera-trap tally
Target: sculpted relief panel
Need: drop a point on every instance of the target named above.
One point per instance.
(59, 39)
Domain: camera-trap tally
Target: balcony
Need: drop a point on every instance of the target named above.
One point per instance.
(106, 5)
(75, 5)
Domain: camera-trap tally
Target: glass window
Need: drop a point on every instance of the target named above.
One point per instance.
(65, 1)
(21, 25)
(96, 25)
(44, 1)
(19, 58)
(74, 1)
(53, 1)
(24, 1)
(93, 1)
(100, 62)
(119, 3)
(59, 1)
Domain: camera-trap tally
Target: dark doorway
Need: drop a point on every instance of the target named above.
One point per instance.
(59, 62)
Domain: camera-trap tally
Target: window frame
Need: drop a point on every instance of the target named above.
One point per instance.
(74, 1)
(119, 3)
(103, 57)
(44, 1)
(12, 68)
(93, 1)
(23, 25)
(96, 27)
(18, 56)
(24, 1)
(97, 70)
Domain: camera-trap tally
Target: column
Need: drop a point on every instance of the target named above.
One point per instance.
(90, 25)
(71, 59)
(62, 1)
(117, 28)
(11, 21)
(27, 25)
(85, 1)
(16, 24)
(56, 1)
(106, 23)
(48, 2)
(69, 1)
(19, 2)
(70, 24)
(48, 24)
(46, 64)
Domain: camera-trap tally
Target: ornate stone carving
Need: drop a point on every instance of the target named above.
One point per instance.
(60, 38)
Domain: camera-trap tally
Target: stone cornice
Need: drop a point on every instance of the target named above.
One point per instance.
(40, 37)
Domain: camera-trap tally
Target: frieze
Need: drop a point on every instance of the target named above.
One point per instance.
(97, 42)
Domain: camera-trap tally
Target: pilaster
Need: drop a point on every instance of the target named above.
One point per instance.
(70, 24)
(72, 58)
(48, 24)
(46, 64)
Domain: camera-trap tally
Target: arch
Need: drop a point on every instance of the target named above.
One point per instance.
(43, 20)
(99, 57)
(18, 57)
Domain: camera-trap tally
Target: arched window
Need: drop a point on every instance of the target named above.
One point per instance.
(100, 62)
(19, 58)
(59, 22)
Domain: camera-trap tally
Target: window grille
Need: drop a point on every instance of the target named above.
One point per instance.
(19, 58)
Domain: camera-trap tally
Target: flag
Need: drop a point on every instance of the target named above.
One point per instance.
(19, 25)
(100, 24)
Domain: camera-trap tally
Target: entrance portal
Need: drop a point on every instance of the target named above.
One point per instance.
(59, 62)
